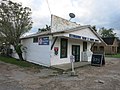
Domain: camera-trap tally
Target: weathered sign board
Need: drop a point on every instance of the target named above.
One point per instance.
(60, 24)
(43, 40)
(98, 60)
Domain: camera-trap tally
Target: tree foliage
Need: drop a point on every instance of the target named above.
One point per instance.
(107, 32)
(47, 28)
(14, 20)
(94, 28)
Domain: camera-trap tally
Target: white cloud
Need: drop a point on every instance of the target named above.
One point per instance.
(40, 13)
(27, 3)
(93, 12)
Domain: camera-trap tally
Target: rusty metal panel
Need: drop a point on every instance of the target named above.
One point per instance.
(60, 24)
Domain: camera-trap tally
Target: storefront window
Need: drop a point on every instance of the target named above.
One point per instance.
(63, 51)
(113, 49)
(101, 48)
(95, 48)
(35, 39)
(84, 46)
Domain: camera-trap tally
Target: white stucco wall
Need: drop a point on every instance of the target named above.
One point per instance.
(86, 33)
(55, 59)
(39, 54)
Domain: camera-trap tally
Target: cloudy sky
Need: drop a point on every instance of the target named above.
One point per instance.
(102, 13)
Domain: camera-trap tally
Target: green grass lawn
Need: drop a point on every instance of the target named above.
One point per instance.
(114, 56)
(17, 62)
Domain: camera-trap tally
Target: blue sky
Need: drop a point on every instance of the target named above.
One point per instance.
(102, 13)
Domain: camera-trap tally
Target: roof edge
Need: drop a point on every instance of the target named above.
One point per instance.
(97, 34)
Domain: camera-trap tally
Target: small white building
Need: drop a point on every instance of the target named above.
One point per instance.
(56, 46)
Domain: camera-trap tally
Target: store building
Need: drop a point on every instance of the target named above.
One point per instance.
(56, 46)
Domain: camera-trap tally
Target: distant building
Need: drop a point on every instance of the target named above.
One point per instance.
(118, 49)
(109, 47)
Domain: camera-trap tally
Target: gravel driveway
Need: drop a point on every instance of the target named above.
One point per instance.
(88, 78)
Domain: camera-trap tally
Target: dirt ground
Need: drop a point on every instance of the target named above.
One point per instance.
(87, 78)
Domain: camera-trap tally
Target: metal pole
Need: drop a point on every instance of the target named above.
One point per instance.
(73, 70)
(72, 65)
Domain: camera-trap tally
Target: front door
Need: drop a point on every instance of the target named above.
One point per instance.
(76, 52)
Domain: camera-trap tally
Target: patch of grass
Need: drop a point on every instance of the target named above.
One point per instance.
(114, 56)
(17, 62)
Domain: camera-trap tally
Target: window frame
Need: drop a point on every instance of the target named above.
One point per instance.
(61, 48)
(85, 46)
(35, 39)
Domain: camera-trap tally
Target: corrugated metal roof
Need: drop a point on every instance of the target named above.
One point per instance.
(36, 34)
(50, 33)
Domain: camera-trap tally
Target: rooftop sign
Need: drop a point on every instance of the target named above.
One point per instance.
(60, 24)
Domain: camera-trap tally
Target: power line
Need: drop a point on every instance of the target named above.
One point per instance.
(48, 6)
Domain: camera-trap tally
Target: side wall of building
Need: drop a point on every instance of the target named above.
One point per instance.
(39, 54)
(35, 53)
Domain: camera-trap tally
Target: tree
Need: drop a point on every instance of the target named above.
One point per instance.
(15, 20)
(94, 28)
(107, 32)
(47, 28)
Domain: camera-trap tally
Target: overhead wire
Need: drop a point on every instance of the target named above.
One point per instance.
(48, 6)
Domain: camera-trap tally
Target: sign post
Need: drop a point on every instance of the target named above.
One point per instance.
(72, 59)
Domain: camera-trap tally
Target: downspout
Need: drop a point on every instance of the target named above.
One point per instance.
(54, 42)
(92, 46)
